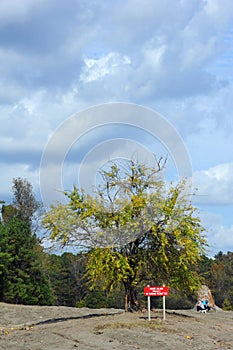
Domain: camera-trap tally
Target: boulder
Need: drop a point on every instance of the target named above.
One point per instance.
(203, 294)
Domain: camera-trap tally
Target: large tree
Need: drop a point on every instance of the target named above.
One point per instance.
(23, 278)
(135, 227)
(5, 259)
(24, 200)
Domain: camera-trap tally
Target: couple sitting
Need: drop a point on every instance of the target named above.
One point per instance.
(203, 306)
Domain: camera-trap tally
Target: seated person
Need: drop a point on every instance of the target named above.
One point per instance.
(200, 306)
(203, 305)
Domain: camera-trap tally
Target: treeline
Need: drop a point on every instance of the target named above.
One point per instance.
(217, 274)
(67, 275)
(29, 275)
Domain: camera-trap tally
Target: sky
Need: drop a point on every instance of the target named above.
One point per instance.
(63, 62)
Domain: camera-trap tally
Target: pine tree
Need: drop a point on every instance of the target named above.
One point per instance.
(22, 274)
(67, 276)
(5, 259)
(26, 280)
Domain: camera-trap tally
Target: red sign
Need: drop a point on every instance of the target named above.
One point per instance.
(156, 291)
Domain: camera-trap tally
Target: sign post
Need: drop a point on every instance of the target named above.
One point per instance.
(164, 311)
(156, 291)
(148, 307)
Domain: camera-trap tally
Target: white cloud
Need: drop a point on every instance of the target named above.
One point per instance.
(219, 236)
(172, 56)
(214, 185)
(157, 59)
(96, 69)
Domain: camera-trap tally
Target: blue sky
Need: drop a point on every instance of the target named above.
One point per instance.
(58, 58)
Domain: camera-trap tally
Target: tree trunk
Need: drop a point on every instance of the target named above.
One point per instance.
(131, 300)
(126, 301)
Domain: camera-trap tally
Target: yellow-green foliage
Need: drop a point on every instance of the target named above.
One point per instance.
(134, 228)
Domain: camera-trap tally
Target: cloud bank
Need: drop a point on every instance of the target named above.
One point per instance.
(58, 58)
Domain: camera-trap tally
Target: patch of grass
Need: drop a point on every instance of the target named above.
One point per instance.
(129, 325)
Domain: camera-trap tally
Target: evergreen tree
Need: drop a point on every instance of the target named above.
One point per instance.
(23, 277)
(26, 279)
(8, 213)
(67, 276)
(5, 259)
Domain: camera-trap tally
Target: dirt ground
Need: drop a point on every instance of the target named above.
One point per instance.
(63, 328)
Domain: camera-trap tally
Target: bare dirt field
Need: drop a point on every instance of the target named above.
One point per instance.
(63, 328)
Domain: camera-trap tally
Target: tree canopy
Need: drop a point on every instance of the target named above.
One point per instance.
(24, 200)
(135, 228)
(23, 278)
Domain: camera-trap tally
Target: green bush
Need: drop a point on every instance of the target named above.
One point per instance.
(226, 306)
(81, 303)
(96, 299)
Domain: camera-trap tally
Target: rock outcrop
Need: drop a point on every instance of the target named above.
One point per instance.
(203, 294)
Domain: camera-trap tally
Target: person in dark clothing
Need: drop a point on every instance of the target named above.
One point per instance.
(203, 306)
